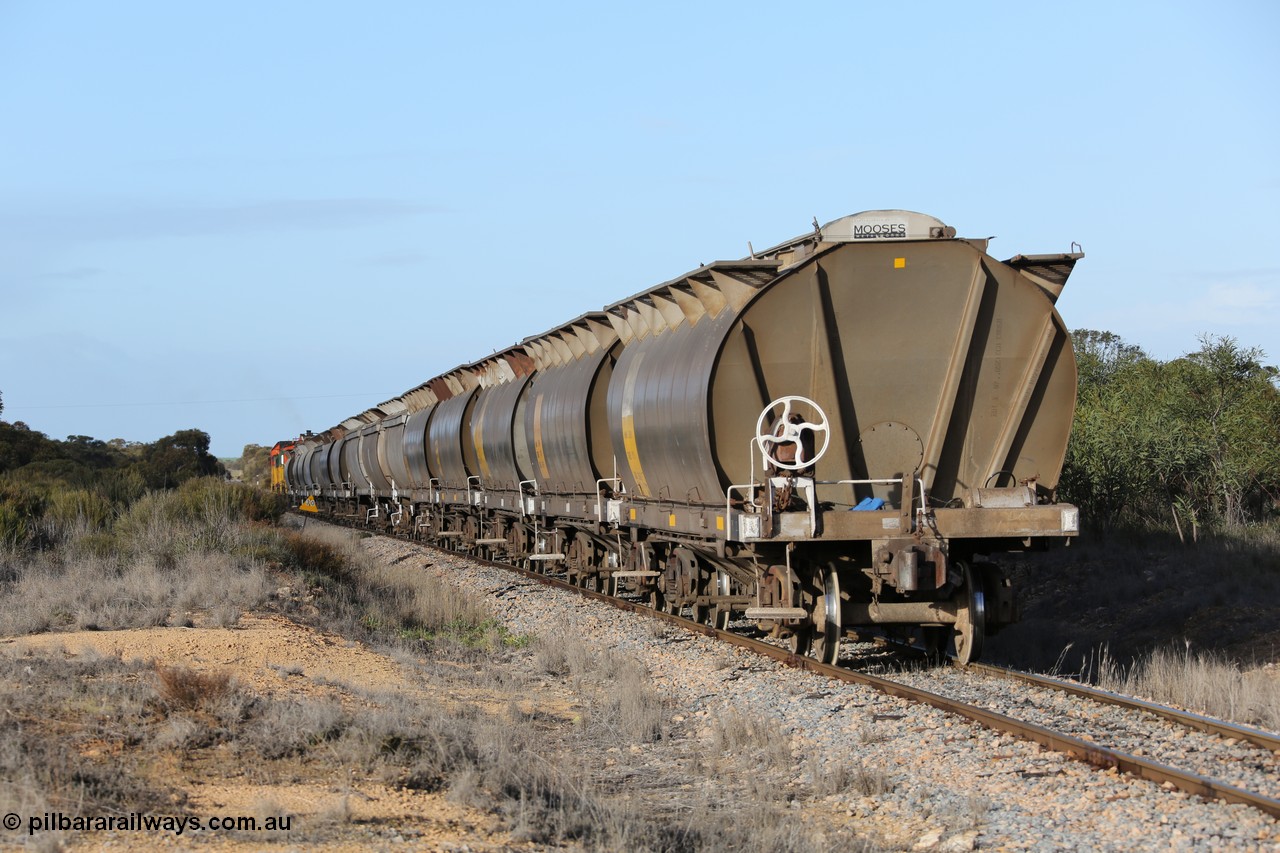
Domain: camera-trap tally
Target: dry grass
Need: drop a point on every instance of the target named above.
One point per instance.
(65, 722)
(56, 591)
(843, 777)
(760, 740)
(390, 605)
(100, 734)
(1137, 591)
(183, 689)
(1203, 682)
(168, 555)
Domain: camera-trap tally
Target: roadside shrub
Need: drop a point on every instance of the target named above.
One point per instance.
(629, 709)
(21, 509)
(206, 497)
(121, 486)
(72, 513)
(186, 689)
(323, 557)
(51, 591)
(395, 604)
(845, 775)
(15, 527)
(204, 514)
(87, 701)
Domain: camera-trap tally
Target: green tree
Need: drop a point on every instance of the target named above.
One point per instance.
(176, 458)
(1100, 356)
(20, 445)
(1185, 443)
(255, 465)
(1229, 398)
(1114, 439)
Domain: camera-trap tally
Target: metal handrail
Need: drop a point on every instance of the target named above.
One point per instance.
(889, 481)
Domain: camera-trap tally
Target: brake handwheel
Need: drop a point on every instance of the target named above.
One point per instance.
(787, 432)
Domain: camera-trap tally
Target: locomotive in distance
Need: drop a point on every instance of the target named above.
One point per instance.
(835, 433)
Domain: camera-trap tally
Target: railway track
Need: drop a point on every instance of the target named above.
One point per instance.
(1198, 722)
(1077, 747)
(1084, 747)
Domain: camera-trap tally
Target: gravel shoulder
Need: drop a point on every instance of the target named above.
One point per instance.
(954, 784)
(828, 760)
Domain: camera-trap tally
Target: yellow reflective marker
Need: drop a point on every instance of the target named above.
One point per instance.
(537, 439)
(671, 520)
(479, 440)
(633, 514)
(899, 263)
(629, 426)
(719, 522)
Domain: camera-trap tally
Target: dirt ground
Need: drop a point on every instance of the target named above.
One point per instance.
(269, 655)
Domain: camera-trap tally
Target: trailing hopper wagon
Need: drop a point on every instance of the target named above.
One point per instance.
(834, 433)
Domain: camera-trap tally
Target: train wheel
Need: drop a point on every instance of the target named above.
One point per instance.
(700, 613)
(577, 566)
(709, 614)
(971, 618)
(936, 641)
(680, 575)
(820, 638)
(469, 537)
(656, 600)
(721, 614)
(778, 588)
(963, 641)
(800, 640)
(827, 620)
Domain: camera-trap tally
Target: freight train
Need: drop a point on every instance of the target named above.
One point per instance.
(834, 433)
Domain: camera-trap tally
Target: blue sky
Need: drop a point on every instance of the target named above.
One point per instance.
(259, 218)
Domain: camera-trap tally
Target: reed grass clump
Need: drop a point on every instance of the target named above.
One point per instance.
(1202, 682)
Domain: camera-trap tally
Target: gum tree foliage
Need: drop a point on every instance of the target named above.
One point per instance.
(1186, 443)
(255, 465)
(43, 479)
(175, 458)
(29, 455)
(1231, 397)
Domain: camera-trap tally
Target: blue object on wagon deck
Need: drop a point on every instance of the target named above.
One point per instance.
(867, 504)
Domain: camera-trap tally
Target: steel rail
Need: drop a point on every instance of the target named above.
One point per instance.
(1258, 737)
(1091, 753)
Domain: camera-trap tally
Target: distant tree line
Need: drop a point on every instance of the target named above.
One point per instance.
(1188, 444)
(28, 455)
(49, 486)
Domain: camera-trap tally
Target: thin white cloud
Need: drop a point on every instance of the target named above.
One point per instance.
(1245, 303)
(1241, 304)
